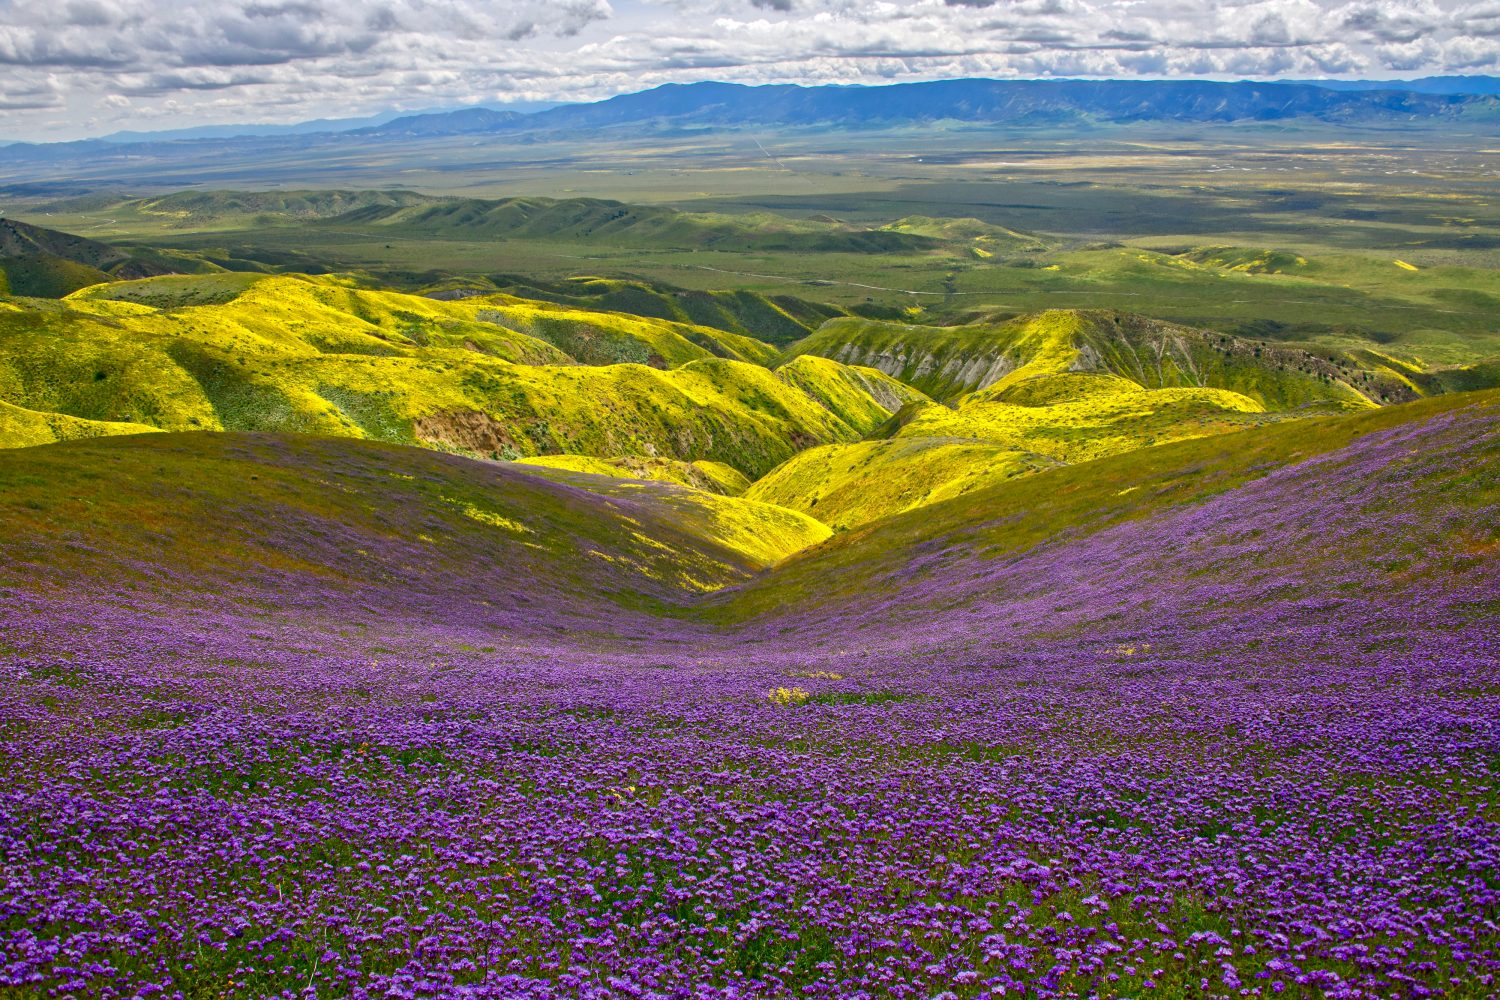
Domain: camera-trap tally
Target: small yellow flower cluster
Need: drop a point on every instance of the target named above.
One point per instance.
(817, 675)
(788, 696)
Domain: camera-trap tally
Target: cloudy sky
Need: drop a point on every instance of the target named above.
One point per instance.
(86, 67)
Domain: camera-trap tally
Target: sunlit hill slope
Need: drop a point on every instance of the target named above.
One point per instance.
(857, 421)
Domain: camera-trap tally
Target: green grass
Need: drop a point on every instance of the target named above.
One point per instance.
(637, 397)
(1058, 387)
(46, 276)
(1030, 393)
(1345, 298)
(991, 238)
(950, 362)
(776, 320)
(43, 262)
(21, 428)
(1347, 199)
(847, 485)
(864, 398)
(327, 356)
(436, 515)
(760, 533)
(860, 565)
(712, 477)
(595, 337)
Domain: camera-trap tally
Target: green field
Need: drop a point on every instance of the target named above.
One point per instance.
(1147, 218)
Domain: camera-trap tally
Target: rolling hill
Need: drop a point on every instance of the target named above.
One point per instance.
(711, 477)
(616, 223)
(1241, 524)
(49, 264)
(1016, 397)
(384, 520)
(1220, 493)
(594, 220)
(949, 362)
(846, 485)
(489, 375)
(779, 319)
(896, 415)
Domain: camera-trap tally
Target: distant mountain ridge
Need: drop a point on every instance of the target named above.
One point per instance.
(719, 105)
(1464, 84)
(725, 104)
(410, 122)
(314, 126)
(458, 122)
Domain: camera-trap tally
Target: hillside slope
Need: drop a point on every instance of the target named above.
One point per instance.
(21, 428)
(484, 375)
(758, 531)
(596, 220)
(1402, 494)
(1342, 511)
(375, 525)
(1214, 697)
(846, 485)
(779, 319)
(949, 362)
(711, 477)
(1063, 386)
(616, 223)
(50, 264)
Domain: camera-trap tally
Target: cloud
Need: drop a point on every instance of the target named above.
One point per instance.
(250, 59)
(31, 92)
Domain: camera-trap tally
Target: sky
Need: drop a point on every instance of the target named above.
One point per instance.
(73, 68)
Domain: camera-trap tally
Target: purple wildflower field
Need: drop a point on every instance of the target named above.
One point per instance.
(1242, 739)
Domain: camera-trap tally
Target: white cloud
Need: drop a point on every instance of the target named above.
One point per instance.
(123, 61)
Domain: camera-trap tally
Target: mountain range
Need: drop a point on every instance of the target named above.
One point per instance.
(973, 99)
(711, 105)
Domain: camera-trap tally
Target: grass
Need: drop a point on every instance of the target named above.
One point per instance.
(46, 276)
(435, 513)
(1098, 416)
(758, 532)
(952, 361)
(772, 319)
(50, 264)
(892, 797)
(1084, 790)
(618, 394)
(1150, 217)
(1024, 395)
(20, 428)
(1329, 283)
(847, 485)
(713, 477)
(862, 397)
(1014, 516)
(481, 375)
